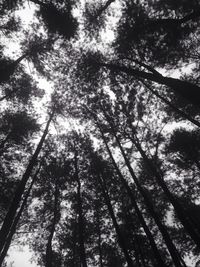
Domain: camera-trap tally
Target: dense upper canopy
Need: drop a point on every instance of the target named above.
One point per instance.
(100, 131)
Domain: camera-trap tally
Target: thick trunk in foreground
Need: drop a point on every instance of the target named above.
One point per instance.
(20, 189)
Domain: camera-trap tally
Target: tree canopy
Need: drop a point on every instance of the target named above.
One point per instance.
(100, 132)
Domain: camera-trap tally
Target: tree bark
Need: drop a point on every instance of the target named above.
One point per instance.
(20, 189)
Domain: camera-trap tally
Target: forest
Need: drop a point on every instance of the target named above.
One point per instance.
(100, 132)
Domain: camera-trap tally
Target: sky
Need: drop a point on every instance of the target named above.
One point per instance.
(21, 256)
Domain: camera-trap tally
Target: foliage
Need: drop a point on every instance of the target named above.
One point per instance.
(99, 133)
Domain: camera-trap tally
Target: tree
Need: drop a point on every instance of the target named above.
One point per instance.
(20, 189)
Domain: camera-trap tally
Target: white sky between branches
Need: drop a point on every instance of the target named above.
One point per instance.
(20, 256)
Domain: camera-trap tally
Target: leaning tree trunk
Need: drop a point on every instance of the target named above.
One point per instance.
(16, 220)
(177, 110)
(180, 212)
(184, 218)
(49, 250)
(120, 237)
(192, 229)
(185, 89)
(158, 258)
(20, 189)
(80, 215)
(99, 236)
(178, 261)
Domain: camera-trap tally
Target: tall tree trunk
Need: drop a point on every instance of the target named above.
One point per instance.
(185, 89)
(177, 110)
(180, 212)
(184, 218)
(49, 250)
(192, 229)
(135, 241)
(80, 215)
(121, 240)
(99, 236)
(178, 261)
(158, 258)
(20, 189)
(16, 220)
(139, 251)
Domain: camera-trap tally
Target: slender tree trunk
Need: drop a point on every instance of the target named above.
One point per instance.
(74, 248)
(20, 189)
(138, 250)
(158, 258)
(121, 240)
(180, 212)
(99, 237)
(185, 89)
(135, 240)
(49, 250)
(16, 220)
(171, 247)
(169, 24)
(80, 215)
(178, 261)
(177, 110)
